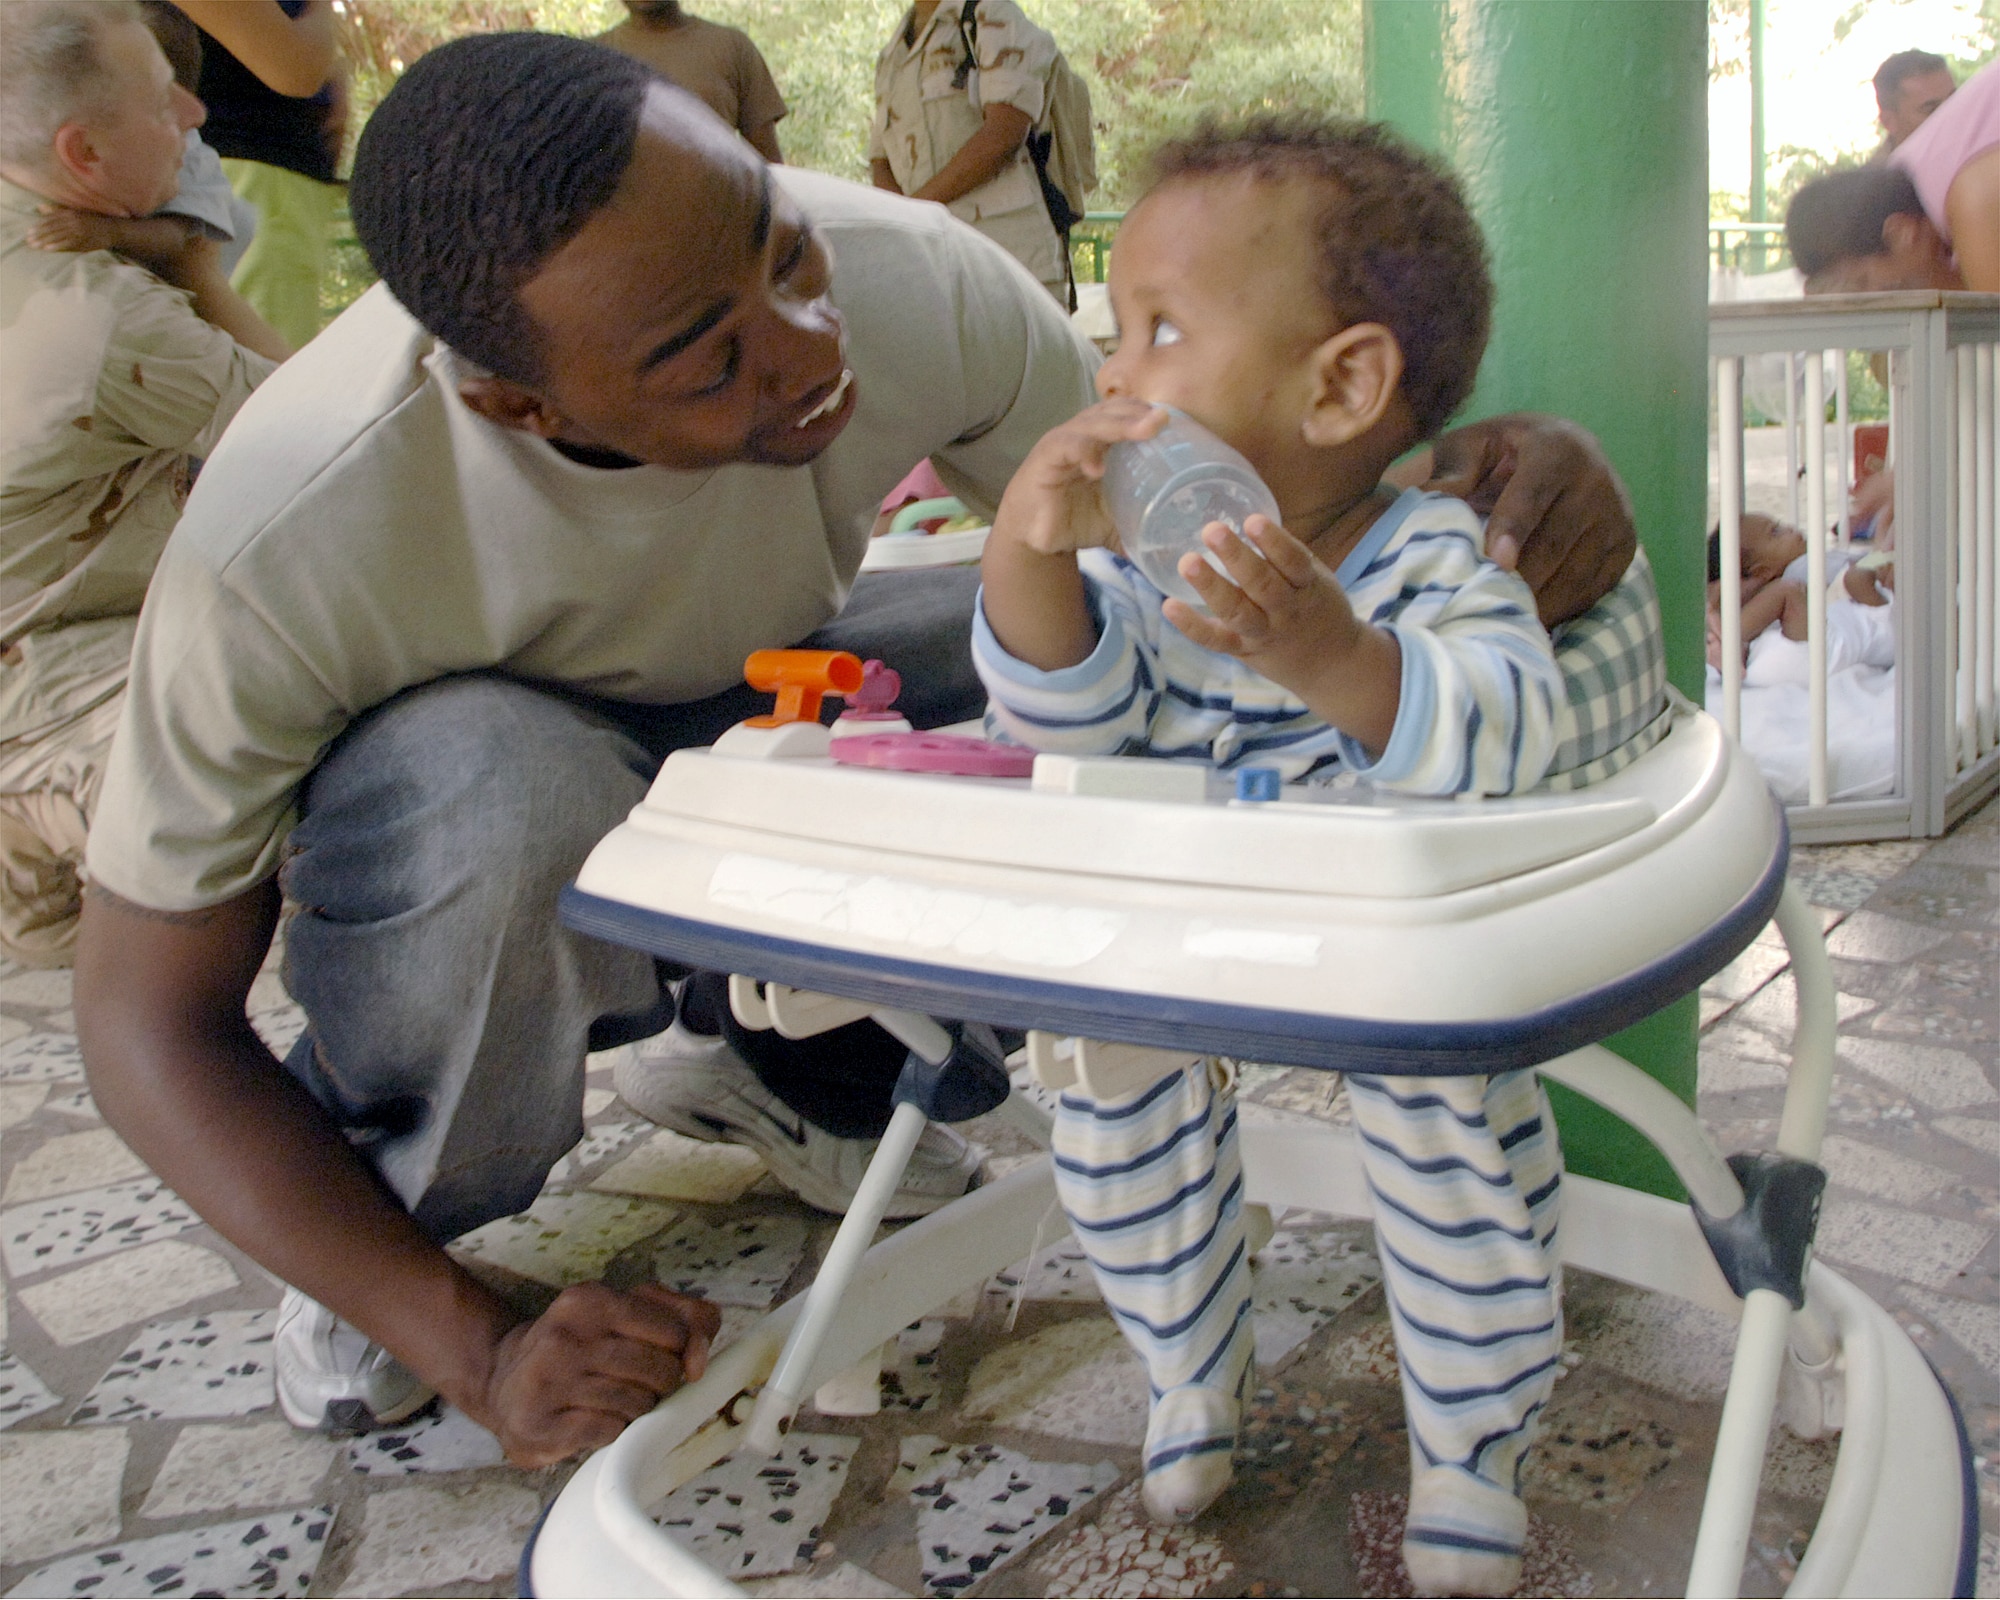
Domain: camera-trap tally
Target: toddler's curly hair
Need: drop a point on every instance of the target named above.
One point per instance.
(1397, 243)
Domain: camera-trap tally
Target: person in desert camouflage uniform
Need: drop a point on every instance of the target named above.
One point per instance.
(111, 378)
(960, 137)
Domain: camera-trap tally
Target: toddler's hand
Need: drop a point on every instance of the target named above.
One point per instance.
(60, 228)
(1053, 505)
(1284, 614)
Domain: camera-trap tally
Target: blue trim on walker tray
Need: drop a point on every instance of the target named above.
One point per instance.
(1965, 1580)
(1174, 1022)
(524, 1573)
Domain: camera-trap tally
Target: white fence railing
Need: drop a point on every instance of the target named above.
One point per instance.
(1943, 441)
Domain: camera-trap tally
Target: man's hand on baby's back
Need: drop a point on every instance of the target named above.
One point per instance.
(1555, 511)
(1281, 612)
(595, 1361)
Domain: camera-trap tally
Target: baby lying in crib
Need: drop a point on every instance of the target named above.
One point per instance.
(1775, 714)
(1317, 294)
(1773, 562)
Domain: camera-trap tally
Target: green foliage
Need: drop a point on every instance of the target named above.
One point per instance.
(823, 57)
(1867, 398)
(1985, 46)
(1155, 68)
(1219, 58)
(1728, 38)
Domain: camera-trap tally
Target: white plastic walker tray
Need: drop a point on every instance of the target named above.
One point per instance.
(1332, 928)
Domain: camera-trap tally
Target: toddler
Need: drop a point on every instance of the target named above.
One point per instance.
(1316, 293)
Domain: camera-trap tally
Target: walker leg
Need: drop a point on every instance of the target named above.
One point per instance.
(1764, 1339)
(951, 1084)
(1812, 1388)
(1810, 1087)
(857, 1392)
(789, 1380)
(1738, 1466)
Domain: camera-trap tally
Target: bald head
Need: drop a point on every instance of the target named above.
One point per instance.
(489, 155)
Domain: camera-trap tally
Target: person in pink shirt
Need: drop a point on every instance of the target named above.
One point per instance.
(1929, 220)
(1953, 158)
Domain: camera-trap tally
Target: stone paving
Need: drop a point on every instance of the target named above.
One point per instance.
(140, 1452)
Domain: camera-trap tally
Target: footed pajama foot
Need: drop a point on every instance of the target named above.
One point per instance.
(1464, 1535)
(1190, 1442)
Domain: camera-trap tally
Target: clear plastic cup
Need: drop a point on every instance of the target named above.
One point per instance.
(1161, 492)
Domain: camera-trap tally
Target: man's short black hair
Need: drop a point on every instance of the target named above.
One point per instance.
(1904, 64)
(1397, 243)
(488, 156)
(1839, 217)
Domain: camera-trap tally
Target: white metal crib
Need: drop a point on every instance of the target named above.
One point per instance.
(1944, 437)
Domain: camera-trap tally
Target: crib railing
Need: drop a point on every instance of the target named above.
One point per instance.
(1940, 350)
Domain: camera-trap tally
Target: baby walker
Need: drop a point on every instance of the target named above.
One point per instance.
(1135, 914)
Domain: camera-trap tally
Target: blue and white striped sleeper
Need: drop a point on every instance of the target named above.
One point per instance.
(1479, 693)
(1465, 1172)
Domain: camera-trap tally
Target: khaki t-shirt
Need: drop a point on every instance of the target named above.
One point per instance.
(108, 382)
(361, 531)
(717, 63)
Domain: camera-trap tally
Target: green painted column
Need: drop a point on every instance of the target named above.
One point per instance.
(1580, 130)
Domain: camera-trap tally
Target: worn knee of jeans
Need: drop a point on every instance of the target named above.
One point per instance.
(449, 1008)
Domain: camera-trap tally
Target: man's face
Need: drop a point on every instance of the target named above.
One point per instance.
(688, 324)
(138, 143)
(1915, 98)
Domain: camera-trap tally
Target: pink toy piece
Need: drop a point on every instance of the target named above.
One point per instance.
(880, 684)
(934, 752)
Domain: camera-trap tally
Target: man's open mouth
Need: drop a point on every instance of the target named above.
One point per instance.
(831, 403)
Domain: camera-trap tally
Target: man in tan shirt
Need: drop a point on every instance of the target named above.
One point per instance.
(717, 64)
(111, 379)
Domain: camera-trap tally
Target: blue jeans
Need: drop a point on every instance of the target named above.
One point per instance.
(448, 1009)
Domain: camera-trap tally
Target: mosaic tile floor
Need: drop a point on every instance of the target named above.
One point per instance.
(140, 1453)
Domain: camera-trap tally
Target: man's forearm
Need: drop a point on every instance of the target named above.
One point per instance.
(194, 1092)
(981, 158)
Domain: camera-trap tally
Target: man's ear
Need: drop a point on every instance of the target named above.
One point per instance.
(1355, 374)
(511, 405)
(76, 154)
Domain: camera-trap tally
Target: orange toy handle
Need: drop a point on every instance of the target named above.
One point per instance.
(799, 678)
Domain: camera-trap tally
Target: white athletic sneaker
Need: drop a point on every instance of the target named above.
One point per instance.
(333, 1378)
(696, 1085)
